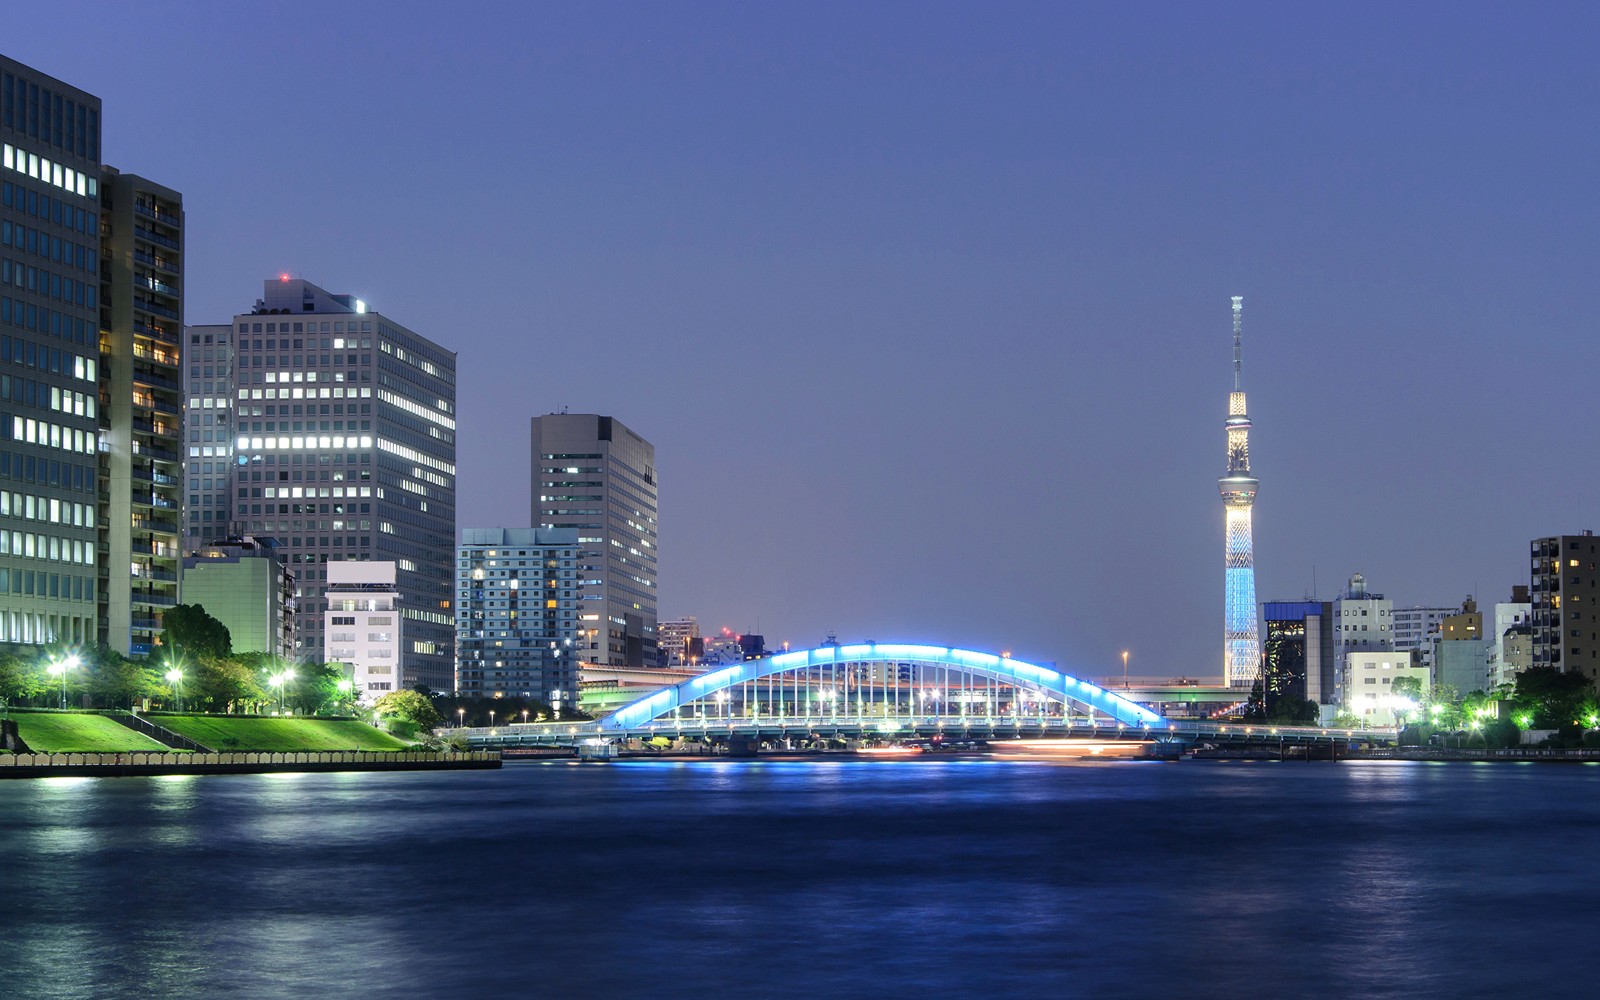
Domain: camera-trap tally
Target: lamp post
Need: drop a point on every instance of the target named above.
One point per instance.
(175, 678)
(461, 718)
(60, 668)
(1124, 670)
(524, 717)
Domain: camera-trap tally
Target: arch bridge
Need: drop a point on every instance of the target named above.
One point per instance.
(889, 691)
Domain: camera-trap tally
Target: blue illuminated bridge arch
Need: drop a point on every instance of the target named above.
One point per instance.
(823, 677)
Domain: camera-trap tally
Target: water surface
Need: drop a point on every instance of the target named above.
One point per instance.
(807, 879)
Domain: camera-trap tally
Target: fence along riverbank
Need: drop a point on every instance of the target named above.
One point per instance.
(46, 765)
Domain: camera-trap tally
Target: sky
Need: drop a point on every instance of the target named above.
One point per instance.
(926, 306)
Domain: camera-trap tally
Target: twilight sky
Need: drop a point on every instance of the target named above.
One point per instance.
(925, 306)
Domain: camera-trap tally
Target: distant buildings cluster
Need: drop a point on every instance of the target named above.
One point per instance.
(292, 470)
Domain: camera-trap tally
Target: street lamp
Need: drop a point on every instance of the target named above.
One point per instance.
(175, 678)
(1124, 670)
(461, 718)
(524, 717)
(60, 668)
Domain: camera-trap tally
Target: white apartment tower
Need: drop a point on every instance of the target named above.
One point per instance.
(364, 628)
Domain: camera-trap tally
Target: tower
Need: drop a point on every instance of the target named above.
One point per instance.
(1241, 640)
(592, 473)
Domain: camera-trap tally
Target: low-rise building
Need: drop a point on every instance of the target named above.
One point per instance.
(244, 584)
(364, 628)
(1367, 681)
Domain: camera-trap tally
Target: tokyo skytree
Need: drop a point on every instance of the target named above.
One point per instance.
(1241, 638)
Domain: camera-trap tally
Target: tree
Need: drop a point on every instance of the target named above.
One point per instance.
(21, 676)
(1409, 688)
(408, 706)
(116, 680)
(1556, 700)
(194, 633)
(316, 687)
(1255, 707)
(222, 684)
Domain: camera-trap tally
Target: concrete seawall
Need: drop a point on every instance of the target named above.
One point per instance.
(48, 765)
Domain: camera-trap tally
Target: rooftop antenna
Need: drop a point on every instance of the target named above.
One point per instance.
(1238, 330)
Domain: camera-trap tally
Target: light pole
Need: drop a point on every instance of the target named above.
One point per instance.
(60, 667)
(175, 678)
(461, 718)
(524, 717)
(1124, 670)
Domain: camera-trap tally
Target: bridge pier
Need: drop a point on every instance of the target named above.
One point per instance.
(743, 747)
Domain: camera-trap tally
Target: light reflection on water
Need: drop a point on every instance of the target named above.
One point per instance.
(801, 878)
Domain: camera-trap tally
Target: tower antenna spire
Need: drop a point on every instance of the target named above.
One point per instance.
(1238, 330)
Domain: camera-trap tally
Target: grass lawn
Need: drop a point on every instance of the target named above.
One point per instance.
(48, 732)
(223, 733)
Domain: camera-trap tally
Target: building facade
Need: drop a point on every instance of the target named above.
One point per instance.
(141, 411)
(208, 427)
(1241, 636)
(243, 583)
(517, 614)
(50, 343)
(1361, 623)
(593, 474)
(675, 642)
(343, 449)
(1292, 657)
(1565, 592)
(365, 628)
(1367, 682)
(1416, 628)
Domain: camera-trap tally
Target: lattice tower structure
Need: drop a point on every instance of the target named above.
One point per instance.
(1241, 635)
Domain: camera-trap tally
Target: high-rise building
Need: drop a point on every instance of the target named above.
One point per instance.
(1460, 656)
(1241, 638)
(50, 344)
(343, 449)
(594, 474)
(516, 614)
(208, 426)
(1566, 604)
(141, 408)
(243, 583)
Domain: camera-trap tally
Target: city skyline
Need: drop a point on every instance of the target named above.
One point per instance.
(852, 274)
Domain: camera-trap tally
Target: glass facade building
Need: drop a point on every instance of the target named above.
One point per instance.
(338, 439)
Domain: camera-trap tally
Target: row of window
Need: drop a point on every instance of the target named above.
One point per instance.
(46, 472)
(29, 239)
(46, 321)
(36, 508)
(30, 545)
(310, 327)
(48, 434)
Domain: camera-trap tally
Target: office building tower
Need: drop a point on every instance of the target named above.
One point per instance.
(141, 411)
(50, 398)
(1566, 604)
(517, 614)
(208, 426)
(1292, 658)
(1241, 638)
(365, 627)
(343, 427)
(244, 584)
(594, 474)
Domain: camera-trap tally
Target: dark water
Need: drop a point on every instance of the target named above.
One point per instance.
(808, 879)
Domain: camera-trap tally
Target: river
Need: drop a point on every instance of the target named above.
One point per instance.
(817, 878)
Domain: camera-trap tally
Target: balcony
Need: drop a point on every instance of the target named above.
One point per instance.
(150, 211)
(154, 356)
(157, 600)
(155, 331)
(154, 309)
(146, 377)
(154, 261)
(152, 236)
